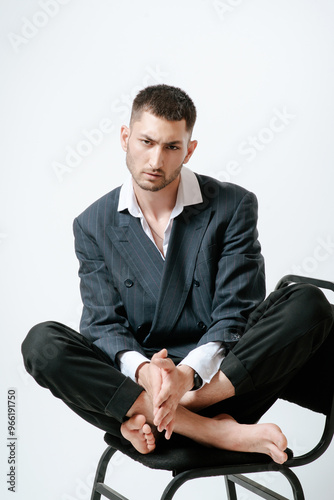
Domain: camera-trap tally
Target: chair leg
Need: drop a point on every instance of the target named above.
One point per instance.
(261, 490)
(298, 493)
(230, 489)
(101, 471)
(254, 487)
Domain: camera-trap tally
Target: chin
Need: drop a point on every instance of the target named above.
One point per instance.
(150, 186)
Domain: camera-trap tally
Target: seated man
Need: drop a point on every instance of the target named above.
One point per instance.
(175, 333)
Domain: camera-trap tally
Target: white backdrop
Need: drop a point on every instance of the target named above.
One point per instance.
(262, 76)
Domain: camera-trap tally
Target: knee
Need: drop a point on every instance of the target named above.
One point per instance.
(39, 349)
(314, 304)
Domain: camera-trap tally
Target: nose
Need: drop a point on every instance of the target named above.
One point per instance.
(156, 158)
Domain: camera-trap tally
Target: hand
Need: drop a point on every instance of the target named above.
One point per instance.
(176, 381)
(148, 375)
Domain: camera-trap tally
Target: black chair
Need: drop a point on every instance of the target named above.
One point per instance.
(188, 460)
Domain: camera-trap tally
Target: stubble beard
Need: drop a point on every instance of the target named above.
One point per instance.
(145, 185)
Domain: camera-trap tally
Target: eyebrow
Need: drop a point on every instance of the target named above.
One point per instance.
(171, 143)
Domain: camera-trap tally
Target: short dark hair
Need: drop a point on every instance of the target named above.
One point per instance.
(165, 101)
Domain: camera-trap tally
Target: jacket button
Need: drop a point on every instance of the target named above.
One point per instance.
(128, 283)
(196, 283)
(201, 325)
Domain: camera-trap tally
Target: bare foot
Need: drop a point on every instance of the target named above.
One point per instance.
(227, 434)
(139, 433)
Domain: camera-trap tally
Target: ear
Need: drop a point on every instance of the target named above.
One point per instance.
(191, 148)
(125, 134)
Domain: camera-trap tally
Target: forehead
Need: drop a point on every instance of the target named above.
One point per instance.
(160, 129)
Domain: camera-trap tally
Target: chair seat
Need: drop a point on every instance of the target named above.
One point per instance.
(180, 454)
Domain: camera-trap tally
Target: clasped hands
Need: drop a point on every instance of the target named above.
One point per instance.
(165, 383)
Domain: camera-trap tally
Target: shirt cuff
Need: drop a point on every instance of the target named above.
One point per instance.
(129, 362)
(205, 360)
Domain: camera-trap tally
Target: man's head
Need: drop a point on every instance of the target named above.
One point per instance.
(165, 101)
(158, 139)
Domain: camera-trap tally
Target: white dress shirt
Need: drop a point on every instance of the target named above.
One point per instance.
(205, 359)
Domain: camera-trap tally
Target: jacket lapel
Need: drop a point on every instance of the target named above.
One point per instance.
(139, 252)
(187, 233)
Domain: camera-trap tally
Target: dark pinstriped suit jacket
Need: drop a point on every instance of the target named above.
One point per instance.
(211, 280)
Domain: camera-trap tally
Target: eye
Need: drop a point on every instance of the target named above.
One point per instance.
(146, 142)
(172, 148)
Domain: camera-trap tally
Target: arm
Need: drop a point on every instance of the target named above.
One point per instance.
(240, 278)
(104, 321)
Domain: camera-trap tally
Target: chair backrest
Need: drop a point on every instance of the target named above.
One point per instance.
(328, 432)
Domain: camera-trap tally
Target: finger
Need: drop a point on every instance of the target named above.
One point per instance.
(160, 355)
(164, 425)
(156, 383)
(169, 429)
(163, 395)
(163, 415)
(159, 417)
(164, 364)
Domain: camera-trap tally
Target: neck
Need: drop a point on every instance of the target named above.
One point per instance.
(157, 203)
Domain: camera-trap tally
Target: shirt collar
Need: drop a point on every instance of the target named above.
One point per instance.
(189, 193)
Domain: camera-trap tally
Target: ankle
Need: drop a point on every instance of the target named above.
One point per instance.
(142, 406)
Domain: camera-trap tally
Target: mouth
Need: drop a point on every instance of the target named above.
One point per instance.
(152, 175)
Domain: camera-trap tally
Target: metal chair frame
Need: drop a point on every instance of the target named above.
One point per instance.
(234, 474)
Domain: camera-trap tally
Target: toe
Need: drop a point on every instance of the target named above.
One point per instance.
(136, 422)
(278, 456)
(146, 429)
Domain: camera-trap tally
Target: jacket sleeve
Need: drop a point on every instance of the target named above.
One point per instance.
(240, 278)
(104, 321)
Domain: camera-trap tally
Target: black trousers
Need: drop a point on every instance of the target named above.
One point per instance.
(286, 352)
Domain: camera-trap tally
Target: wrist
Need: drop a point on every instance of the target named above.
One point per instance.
(140, 372)
(198, 382)
(187, 376)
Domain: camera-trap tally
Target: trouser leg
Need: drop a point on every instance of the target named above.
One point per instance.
(282, 336)
(79, 374)
(313, 385)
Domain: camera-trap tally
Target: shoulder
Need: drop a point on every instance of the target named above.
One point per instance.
(102, 211)
(215, 192)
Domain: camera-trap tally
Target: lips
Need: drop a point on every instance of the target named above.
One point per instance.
(152, 175)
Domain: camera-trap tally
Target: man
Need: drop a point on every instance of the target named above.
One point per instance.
(175, 334)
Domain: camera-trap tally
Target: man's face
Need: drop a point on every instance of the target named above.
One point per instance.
(156, 149)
